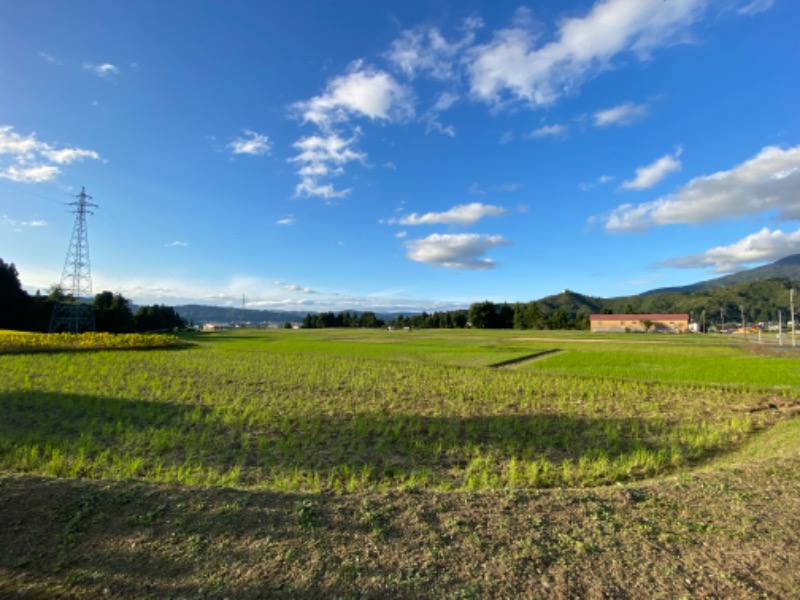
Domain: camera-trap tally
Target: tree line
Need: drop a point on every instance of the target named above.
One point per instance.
(113, 313)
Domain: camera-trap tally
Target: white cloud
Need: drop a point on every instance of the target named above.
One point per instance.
(763, 246)
(475, 188)
(50, 58)
(623, 114)
(431, 117)
(455, 251)
(755, 6)
(19, 146)
(288, 220)
(18, 225)
(516, 65)
(252, 143)
(33, 174)
(650, 175)
(102, 70)
(365, 92)
(556, 130)
(176, 244)
(293, 287)
(603, 179)
(425, 50)
(320, 157)
(770, 181)
(66, 156)
(463, 214)
(401, 234)
(30, 157)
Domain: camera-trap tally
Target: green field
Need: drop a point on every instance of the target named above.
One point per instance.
(384, 421)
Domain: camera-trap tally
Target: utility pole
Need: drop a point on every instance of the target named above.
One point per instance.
(722, 316)
(780, 328)
(744, 325)
(792, 292)
(76, 315)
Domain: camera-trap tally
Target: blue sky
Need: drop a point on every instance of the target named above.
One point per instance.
(368, 155)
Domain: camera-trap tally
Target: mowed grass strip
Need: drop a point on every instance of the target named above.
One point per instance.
(238, 412)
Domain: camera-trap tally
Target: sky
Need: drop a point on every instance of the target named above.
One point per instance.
(398, 156)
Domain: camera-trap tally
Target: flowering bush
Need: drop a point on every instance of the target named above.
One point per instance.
(16, 341)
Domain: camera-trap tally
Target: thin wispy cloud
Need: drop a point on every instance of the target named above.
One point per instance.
(463, 214)
(602, 180)
(425, 51)
(176, 244)
(104, 70)
(19, 225)
(625, 114)
(50, 58)
(288, 220)
(650, 175)
(556, 130)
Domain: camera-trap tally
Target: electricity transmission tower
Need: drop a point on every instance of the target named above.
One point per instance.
(75, 315)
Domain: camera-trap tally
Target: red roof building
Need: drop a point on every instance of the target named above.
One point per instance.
(671, 323)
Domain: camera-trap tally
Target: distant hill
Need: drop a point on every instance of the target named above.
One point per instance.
(199, 314)
(785, 268)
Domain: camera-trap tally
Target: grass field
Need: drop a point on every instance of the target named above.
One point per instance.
(358, 463)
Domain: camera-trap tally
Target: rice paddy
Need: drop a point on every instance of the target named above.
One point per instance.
(311, 411)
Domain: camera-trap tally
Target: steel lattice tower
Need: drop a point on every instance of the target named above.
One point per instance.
(76, 315)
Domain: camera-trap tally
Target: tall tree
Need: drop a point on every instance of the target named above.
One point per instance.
(15, 303)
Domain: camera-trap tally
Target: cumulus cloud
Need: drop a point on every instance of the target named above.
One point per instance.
(102, 70)
(252, 143)
(650, 175)
(767, 182)
(30, 157)
(320, 157)
(425, 50)
(363, 92)
(556, 130)
(622, 114)
(455, 251)
(463, 214)
(516, 64)
(763, 246)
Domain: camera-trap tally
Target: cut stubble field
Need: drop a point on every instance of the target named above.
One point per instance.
(371, 463)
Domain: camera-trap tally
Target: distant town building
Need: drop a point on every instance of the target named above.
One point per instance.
(671, 323)
(217, 326)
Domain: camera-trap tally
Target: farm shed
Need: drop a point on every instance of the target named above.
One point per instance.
(671, 323)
